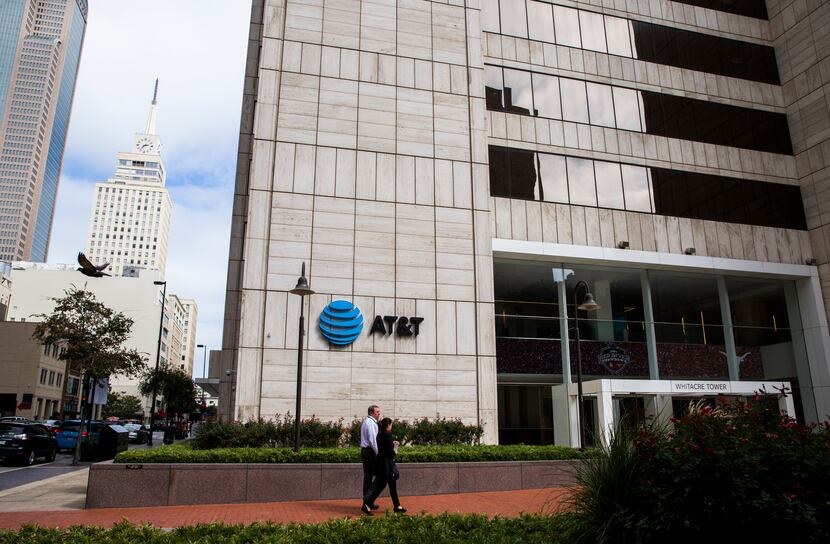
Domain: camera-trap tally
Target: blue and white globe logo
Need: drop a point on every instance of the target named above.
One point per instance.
(341, 322)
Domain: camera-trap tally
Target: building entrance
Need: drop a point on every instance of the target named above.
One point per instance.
(608, 403)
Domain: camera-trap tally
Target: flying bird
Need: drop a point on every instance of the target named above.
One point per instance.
(89, 269)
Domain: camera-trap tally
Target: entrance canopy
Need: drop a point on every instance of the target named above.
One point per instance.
(657, 394)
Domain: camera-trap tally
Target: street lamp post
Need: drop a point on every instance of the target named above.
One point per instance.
(204, 369)
(588, 304)
(302, 289)
(158, 358)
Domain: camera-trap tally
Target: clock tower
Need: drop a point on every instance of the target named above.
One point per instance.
(131, 211)
(148, 142)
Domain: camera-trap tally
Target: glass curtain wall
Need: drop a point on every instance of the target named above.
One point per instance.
(695, 333)
(543, 22)
(688, 326)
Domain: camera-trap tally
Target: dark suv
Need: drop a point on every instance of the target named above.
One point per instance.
(23, 442)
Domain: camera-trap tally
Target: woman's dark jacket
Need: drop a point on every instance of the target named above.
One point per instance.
(386, 454)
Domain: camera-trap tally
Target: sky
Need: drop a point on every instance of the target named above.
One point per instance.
(197, 50)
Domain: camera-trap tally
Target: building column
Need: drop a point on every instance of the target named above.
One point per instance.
(728, 333)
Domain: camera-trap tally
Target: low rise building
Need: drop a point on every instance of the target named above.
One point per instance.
(32, 377)
(139, 298)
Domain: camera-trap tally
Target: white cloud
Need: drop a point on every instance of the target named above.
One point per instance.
(197, 49)
(71, 219)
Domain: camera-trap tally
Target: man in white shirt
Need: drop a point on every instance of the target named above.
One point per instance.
(369, 447)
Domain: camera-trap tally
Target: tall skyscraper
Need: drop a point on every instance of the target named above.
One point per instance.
(130, 219)
(40, 48)
(454, 177)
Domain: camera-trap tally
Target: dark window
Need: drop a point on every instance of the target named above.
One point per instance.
(499, 172)
(526, 175)
(720, 124)
(704, 53)
(716, 198)
(659, 114)
(750, 8)
(522, 174)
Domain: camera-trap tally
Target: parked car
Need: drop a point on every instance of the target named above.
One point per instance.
(49, 423)
(67, 432)
(24, 442)
(138, 434)
(14, 418)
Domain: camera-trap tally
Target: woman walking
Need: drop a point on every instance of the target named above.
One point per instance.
(386, 470)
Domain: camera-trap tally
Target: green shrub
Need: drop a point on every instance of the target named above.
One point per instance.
(740, 471)
(443, 529)
(425, 432)
(409, 454)
(268, 434)
(610, 496)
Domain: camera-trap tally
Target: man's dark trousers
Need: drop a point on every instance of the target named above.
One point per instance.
(367, 455)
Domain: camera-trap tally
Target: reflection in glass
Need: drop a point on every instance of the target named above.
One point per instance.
(600, 105)
(757, 303)
(581, 182)
(566, 23)
(553, 185)
(522, 174)
(540, 22)
(525, 300)
(513, 18)
(525, 414)
(609, 185)
(493, 88)
(518, 95)
(499, 172)
(636, 188)
(685, 300)
(626, 109)
(619, 41)
(490, 15)
(690, 339)
(574, 103)
(612, 338)
(593, 31)
(546, 96)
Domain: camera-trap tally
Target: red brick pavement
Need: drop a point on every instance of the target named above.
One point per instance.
(502, 503)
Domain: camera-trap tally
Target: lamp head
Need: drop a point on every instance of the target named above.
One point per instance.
(302, 287)
(588, 303)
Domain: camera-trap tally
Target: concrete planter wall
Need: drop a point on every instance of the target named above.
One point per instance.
(124, 485)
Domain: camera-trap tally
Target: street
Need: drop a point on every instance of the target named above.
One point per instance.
(15, 475)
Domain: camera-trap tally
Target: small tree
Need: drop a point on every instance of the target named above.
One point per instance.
(175, 386)
(93, 337)
(122, 405)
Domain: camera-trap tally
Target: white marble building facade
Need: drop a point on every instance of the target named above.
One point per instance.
(364, 153)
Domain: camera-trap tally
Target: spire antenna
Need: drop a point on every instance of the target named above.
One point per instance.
(151, 120)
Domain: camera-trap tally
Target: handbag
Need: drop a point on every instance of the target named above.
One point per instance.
(393, 470)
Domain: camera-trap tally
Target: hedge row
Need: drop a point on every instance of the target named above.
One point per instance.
(446, 528)
(410, 454)
(314, 433)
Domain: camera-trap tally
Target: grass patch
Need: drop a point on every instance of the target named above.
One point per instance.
(183, 453)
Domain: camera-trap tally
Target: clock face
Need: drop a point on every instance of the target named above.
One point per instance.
(144, 145)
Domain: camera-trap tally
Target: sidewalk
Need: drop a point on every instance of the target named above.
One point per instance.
(501, 503)
(64, 492)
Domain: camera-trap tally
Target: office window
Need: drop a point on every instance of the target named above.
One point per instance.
(574, 101)
(524, 174)
(566, 25)
(581, 182)
(654, 113)
(513, 18)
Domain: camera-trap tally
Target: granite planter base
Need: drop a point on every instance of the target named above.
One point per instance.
(114, 485)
